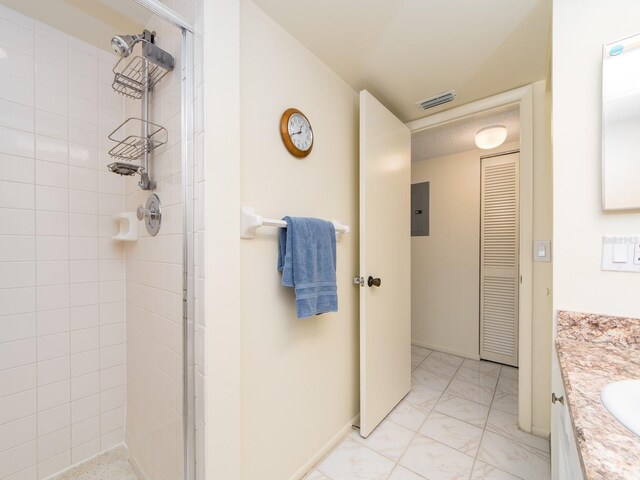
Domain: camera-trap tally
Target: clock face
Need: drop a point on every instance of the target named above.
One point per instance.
(300, 132)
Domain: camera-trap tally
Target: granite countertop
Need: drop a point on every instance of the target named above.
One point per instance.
(593, 351)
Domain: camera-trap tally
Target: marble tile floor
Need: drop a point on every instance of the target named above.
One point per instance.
(458, 422)
(110, 465)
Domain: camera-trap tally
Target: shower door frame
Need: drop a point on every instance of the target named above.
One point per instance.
(188, 280)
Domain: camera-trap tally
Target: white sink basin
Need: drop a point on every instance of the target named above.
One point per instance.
(622, 399)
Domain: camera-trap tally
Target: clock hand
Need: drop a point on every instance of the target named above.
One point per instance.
(297, 133)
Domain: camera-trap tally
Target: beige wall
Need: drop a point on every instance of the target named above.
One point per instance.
(299, 377)
(579, 30)
(445, 270)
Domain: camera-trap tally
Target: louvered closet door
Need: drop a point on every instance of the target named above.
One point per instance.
(499, 240)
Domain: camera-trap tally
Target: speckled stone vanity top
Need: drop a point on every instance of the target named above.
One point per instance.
(593, 351)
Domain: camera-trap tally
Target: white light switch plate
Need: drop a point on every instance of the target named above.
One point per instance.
(542, 251)
(621, 253)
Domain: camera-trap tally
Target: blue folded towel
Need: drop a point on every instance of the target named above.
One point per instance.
(307, 260)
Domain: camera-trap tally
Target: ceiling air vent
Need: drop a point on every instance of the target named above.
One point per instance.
(436, 100)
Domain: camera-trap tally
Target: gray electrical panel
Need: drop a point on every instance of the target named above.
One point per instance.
(420, 209)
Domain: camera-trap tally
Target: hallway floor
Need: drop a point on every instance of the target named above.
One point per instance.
(458, 422)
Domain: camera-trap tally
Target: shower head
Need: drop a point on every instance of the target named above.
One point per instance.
(125, 169)
(122, 44)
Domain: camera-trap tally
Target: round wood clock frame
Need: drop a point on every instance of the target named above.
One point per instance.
(287, 137)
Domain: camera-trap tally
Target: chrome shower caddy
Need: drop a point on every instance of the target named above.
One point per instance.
(135, 77)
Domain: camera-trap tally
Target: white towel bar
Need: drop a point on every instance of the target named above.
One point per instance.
(250, 222)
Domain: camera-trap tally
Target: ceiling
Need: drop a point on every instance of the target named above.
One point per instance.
(459, 136)
(94, 21)
(404, 51)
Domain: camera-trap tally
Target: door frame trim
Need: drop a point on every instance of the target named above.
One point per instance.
(523, 97)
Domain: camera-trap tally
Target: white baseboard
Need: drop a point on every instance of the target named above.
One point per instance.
(330, 445)
(439, 348)
(539, 432)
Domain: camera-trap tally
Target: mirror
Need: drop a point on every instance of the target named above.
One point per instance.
(621, 124)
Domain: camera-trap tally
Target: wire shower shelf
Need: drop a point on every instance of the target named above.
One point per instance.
(130, 145)
(129, 79)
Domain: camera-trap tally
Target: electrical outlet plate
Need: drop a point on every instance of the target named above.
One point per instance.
(621, 253)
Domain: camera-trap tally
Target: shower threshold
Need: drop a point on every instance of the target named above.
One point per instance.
(111, 465)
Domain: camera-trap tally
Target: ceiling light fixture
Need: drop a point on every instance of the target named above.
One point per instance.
(491, 137)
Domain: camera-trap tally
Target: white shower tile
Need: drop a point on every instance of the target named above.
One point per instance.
(112, 377)
(17, 63)
(84, 63)
(84, 86)
(113, 398)
(16, 142)
(17, 432)
(84, 271)
(52, 174)
(85, 451)
(83, 248)
(51, 100)
(16, 115)
(85, 408)
(51, 125)
(51, 75)
(53, 51)
(17, 327)
(52, 199)
(51, 149)
(18, 458)
(17, 379)
(85, 385)
(17, 300)
(53, 371)
(83, 317)
(14, 221)
(84, 156)
(55, 464)
(16, 354)
(112, 420)
(52, 223)
(18, 405)
(52, 248)
(85, 430)
(53, 444)
(20, 92)
(16, 35)
(17, 195)
(52, 297)
(83, 202)
(53, 346)
(53, 321)
(17, 274)
(112, 356)
(85, 362)
(54, 419)
(112, 334)
(83, 179)
(53, 395)
(83, 225)
(85, 340)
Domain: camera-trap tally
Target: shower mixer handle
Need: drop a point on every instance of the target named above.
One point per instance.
(143, 213)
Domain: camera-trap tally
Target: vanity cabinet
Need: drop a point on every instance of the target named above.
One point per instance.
(565, 460)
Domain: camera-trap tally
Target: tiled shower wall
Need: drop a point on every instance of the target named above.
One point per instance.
(62, 355)
(154, 432)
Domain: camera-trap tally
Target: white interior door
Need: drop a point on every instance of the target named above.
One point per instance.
(499, 251)
(385, 254)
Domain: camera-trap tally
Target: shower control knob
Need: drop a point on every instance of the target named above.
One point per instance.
(151, 213)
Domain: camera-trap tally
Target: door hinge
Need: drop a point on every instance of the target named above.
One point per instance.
(358, 280)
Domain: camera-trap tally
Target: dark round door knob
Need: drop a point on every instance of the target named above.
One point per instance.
(373, 282)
